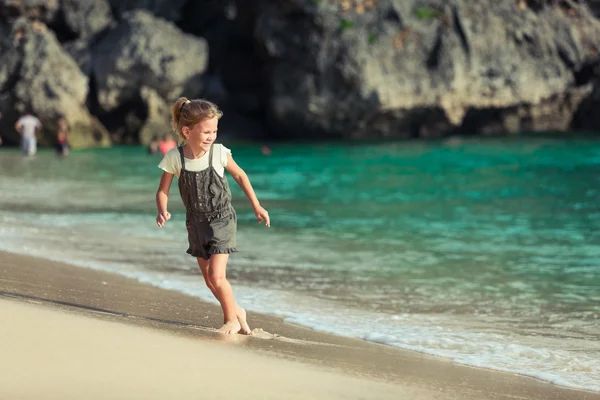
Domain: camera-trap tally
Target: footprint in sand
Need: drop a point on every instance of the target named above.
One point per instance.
(260, 334)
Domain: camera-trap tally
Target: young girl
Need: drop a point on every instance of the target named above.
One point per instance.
(210, 218)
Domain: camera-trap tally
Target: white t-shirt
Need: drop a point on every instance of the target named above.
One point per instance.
(29, 124)
(171, 162)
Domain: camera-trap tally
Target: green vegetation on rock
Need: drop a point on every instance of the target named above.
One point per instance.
(425, 13)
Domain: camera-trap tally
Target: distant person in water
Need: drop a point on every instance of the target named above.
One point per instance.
(28, 127)
(211, 221)
(153, 146)
(166, 144)
(265, 150)
(62, 137)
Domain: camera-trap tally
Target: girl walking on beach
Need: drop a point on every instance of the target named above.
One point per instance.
(211, 220)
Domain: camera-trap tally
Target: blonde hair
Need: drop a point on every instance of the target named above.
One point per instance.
(189, 112)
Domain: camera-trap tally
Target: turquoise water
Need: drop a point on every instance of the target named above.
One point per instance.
(486, 252)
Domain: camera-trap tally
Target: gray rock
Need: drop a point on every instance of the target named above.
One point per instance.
(42, 10)
(80, 52)
(10, 59)
(410, 68)
(594, 6)
(145, 51)
(587, 117)
(85, 18)
(167, 9)
(158, 116)
(78, 25)
(41, 77)
(202, 17)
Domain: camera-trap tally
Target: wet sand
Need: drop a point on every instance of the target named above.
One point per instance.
(69, 332)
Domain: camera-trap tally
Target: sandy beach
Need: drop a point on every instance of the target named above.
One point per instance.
(69, 332)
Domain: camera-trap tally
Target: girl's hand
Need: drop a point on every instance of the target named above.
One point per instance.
(162, 218)
(262, 215)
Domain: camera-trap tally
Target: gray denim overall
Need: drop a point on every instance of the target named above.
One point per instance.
(210, 218)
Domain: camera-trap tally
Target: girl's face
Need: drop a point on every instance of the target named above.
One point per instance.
(203, 134)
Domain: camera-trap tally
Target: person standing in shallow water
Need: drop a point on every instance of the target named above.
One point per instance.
(211, 221)
(166, 144)
(62, 137)
(153, 145)
(28, 126)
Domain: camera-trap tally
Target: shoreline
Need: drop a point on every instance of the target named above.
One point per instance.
(110, 298)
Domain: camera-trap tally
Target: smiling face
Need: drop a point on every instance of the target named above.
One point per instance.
(203, 134)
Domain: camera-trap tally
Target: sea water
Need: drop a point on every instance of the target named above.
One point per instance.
(483, 251)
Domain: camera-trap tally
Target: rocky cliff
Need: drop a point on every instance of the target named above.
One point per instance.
(302, 68)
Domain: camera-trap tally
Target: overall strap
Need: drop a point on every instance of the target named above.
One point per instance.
(180, 148)
(210, 154)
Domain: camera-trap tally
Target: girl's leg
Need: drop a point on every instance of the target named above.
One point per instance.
(217, 267)
(204, 268)
(216, 281)
(241, 313)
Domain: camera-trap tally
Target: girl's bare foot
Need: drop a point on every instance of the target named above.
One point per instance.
(230, 328)
(241, 316)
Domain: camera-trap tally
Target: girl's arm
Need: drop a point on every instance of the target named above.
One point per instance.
(162, 198)
(242, 179)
